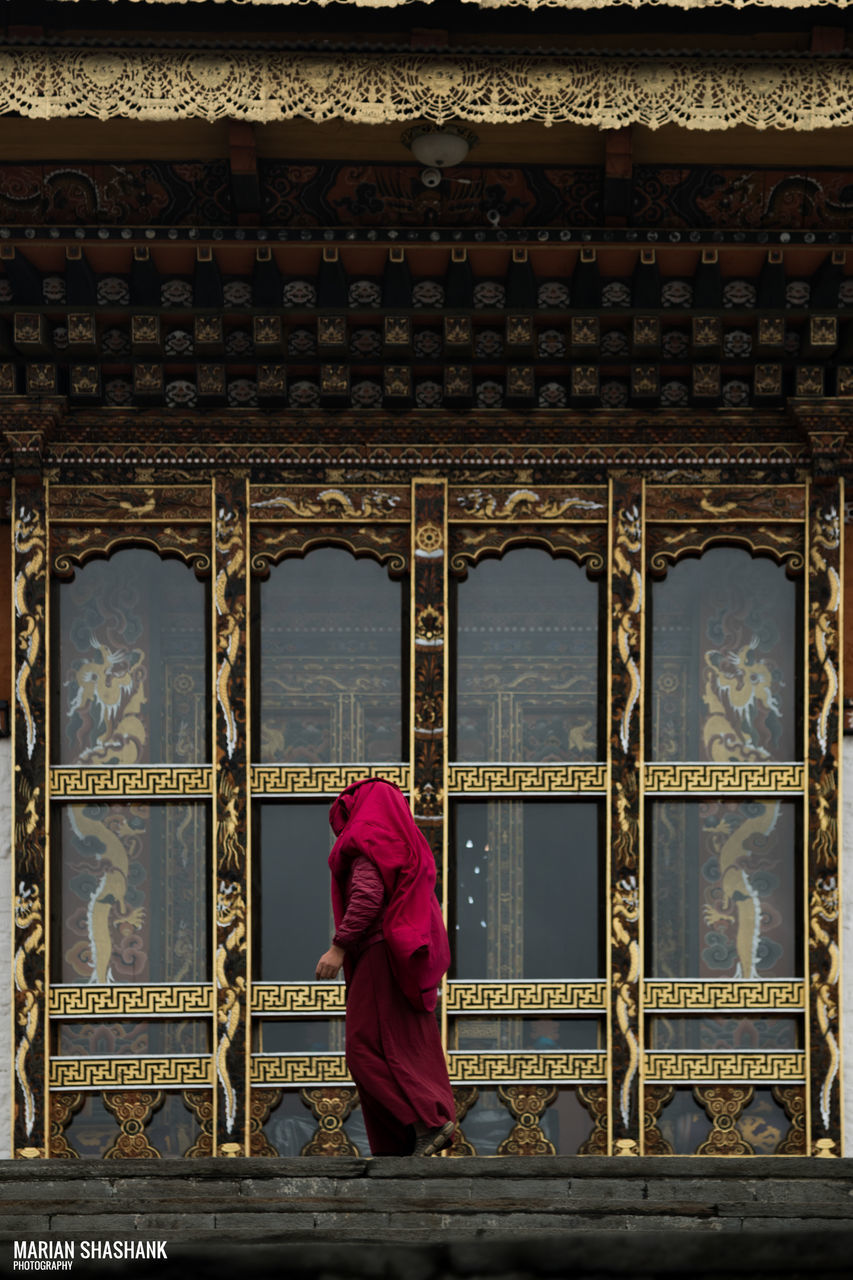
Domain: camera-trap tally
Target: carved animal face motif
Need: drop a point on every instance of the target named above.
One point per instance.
(229, 905)
(108, 682)
(27, 907)
(747, 681)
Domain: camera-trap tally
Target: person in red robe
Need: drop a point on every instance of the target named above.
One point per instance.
(392, 943)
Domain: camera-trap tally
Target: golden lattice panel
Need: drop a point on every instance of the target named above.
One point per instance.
(739, 779)
(716, 996)
(154, 782)
(178, 1000)
(189, 1071)
(525, 997)
(506, 1067)
(321, 780)
(702, 1068)
(299, 1069)
(524, 779)
(298, 997)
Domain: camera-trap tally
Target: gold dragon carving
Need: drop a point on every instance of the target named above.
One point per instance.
(29, 543)
(825, 537)
(823, 910)
(231, 921)
(739, 901)
(627, 614)
(229, 545)
(626, 914)
(29, 918)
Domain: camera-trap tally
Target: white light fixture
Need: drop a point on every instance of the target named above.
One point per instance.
(439, 146)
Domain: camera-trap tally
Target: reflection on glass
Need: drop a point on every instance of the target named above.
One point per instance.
(725, 901)
(173, 1128)
(725, 665)
(331, 666)
(132, 663)
(291, 1125)
(539, 1034)
(527, 660)
(527, 890)
(295, 907)
(685, 1125)
(92, 1129)
(301, 1035)
(132, 1039)
(134, 893)
(565, 1123)
(725, 1035)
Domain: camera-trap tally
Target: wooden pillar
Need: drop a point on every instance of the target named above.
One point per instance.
(626, 612)
(231, 817)
(823, 610)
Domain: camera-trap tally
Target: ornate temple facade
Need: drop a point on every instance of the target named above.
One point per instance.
(518, 482)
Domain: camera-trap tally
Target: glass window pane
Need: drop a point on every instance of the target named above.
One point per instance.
(527, 890)
(140, 1038)
(542, 1033)
(725, 660)
(724, 1035)
(331, 661)
(134, 893)
(724, 886)
(132, 638)
(527, 660)
(295, 909)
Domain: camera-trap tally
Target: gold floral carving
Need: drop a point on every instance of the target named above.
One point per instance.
(527, 1104)
(62, 1107)
(330, 1108)
(464, 1096)
(133, 1110)
(724, 1105)
(261, 1103)
(608, 92)
(593, 1098)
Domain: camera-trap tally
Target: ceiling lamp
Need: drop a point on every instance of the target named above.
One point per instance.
(439, 146)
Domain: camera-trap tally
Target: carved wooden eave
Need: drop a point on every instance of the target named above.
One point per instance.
(797, 91)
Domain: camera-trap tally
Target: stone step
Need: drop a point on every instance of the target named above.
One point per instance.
(705, 1212)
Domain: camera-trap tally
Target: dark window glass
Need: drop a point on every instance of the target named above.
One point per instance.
(724, 1035)
(527, 660)
(726, 669)
(527, 890)
(331, 666)
(134, 893)
(725, 902)
(295, 908)
(138, 1038)
(132, 639)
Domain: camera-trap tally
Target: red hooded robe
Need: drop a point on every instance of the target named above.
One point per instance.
(372, 817)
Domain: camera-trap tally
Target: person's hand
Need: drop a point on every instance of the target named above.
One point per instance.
(329, 964)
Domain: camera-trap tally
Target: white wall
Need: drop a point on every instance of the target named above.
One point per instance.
(846, 880)
(7, 1039)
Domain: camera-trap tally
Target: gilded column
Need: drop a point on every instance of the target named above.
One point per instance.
(231, 816)
(30, 819)
(626, 611)
(826, 506)
(429, 664)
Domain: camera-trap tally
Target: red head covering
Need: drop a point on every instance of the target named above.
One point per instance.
(372, 817)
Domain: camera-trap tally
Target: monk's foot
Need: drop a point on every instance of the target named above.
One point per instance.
(434, 1140)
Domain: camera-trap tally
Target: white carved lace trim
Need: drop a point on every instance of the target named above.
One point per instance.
(606, 92)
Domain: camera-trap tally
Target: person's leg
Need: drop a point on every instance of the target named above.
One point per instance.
(388, 1116)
